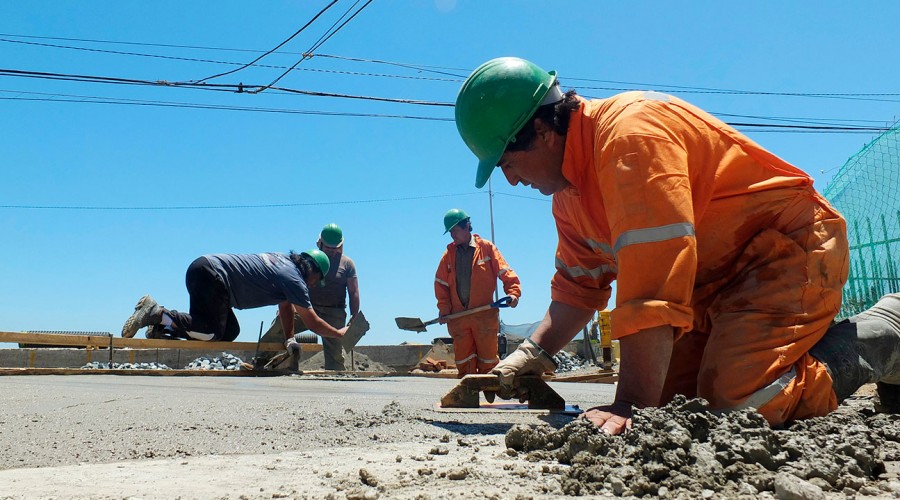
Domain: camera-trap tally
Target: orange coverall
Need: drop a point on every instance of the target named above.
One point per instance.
(474, 336)
(709, 233)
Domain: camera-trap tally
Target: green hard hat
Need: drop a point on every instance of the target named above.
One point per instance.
(321, 261)
(493, 105)
(453, 217)
(332, 236)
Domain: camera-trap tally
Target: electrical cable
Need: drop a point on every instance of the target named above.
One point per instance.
(237, 207)
(233, 63)
(423, 67)
(276, 47)
(85, 99)
(318, 44)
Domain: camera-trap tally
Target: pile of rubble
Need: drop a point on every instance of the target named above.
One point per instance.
(432, 365)
(226, 362)
(567, 362)
(96, 365)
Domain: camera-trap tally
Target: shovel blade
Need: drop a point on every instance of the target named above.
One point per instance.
(411, 324)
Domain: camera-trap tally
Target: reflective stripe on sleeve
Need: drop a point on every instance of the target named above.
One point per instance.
(599, 245)
(482, 261)
(442, 282)
(578, 271)
(503, 271)
(759, 398)
(653, 234)
(652, 95)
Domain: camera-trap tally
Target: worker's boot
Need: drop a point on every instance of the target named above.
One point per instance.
(159, 332)
(865, 349)
(146, 313)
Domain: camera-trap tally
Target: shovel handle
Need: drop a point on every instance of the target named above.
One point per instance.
(502, 302)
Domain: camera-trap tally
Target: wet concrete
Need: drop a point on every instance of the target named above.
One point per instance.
(102, 436)
(685, 451)
(342, 438)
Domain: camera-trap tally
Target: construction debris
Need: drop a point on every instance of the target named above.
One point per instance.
(685, 450)
(567, 362)
(432, 365)
(226, 362)
(125, 366)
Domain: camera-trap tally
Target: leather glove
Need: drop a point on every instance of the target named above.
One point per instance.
(528, 359)
(292, 346)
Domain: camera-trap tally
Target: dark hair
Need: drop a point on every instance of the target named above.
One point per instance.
(303, 263)
(556, 115)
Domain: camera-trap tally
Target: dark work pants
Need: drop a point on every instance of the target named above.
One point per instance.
(210, 305)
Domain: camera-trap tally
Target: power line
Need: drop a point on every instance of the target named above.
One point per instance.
(417, 67)
(53, 97)
(235, 88)
(256, 65)
(237, 207)
(86, 99)
(318, 43)
(421, 67)
(276, 47)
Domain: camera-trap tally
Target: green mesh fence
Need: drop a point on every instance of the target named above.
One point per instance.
(866, 190)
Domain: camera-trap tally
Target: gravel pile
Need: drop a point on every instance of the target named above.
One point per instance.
(569, 362)
(226, 362)
(125, 366)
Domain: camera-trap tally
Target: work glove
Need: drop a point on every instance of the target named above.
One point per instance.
(292, 346)
(528, 359)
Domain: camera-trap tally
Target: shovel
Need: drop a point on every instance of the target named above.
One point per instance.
(416, 324)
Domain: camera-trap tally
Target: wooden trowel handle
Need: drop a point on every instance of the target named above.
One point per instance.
(502, 302)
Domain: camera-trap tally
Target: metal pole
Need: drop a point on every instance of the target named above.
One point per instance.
(493, 238)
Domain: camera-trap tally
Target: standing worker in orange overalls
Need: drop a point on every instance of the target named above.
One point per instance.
(729, 264)
(465, 279)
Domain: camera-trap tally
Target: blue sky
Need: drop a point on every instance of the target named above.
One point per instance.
(386, 181)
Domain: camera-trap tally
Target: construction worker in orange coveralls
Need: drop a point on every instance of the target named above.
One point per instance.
(466, 278)
(729, 265)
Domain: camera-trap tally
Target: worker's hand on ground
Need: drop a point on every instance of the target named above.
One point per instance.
(528, 359)
(292, 346)
(513, 301)
(612, 419)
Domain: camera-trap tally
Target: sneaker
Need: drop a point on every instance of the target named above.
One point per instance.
(159, 332)
(147, 312)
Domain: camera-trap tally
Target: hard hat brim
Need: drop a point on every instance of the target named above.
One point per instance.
(485, 169)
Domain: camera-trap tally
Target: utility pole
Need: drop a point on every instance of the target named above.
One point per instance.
(493, 238)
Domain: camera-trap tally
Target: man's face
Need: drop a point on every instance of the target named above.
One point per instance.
(331, 251)
(461, 234)
(314, 278)
(540, 166)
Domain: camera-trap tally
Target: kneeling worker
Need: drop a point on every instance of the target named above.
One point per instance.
(218, 282)
(729, 264)
(329, 301)
(465, 279)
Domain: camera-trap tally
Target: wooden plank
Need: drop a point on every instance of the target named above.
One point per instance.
(158, 373)
(603, 376)
(96, 341)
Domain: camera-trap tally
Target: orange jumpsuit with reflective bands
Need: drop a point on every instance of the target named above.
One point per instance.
(709, 233)
(474, 336)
